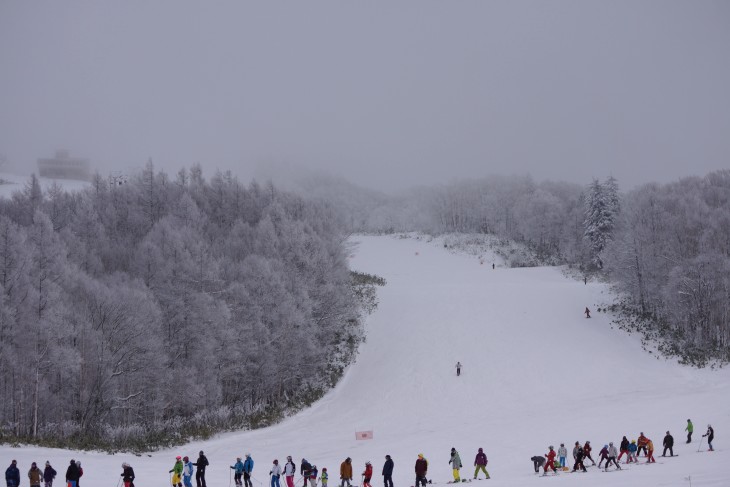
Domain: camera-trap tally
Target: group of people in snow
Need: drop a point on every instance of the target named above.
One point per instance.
(36, 476)
(182, 471)
(610, 454)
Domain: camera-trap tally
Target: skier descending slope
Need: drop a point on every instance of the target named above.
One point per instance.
(455, 462)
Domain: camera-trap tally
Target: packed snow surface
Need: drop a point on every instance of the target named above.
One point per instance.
(536, 372)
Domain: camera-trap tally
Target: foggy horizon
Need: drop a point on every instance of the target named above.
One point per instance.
(387, 96)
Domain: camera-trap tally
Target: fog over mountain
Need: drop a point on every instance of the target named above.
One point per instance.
(386, 94)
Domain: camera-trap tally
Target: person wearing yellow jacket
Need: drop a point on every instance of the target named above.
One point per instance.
(650, 451)
(176, 472)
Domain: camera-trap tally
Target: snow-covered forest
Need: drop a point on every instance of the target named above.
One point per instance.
(666, 248)
(167, 308)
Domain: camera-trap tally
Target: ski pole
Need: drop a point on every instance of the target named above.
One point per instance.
(118, 481)
(229, 478)
(698, 447)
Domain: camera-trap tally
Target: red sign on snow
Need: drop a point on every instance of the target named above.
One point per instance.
(363, 435)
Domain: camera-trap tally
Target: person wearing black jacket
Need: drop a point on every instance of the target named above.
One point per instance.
(305, 470)
(12, 475)
(579, 460)
(49, 473)
(127, 475)
(710, 436)
(668, 444)
(72, 474)
(388, 472)
(200, 472)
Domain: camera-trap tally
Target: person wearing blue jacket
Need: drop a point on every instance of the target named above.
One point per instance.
(238, 469)
(247, 470)
(12, 475)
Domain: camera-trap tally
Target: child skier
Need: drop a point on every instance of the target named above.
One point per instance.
(367, 474)
(238, 472)
(275, 473)
(550, 460)
(587, 452)
(579, 460)
(313, 476)
(187, 472)
(604, 455)
(612, 456)
(324, 477)
(624, 449)
(562, 454)
(176, 472)
(650, 454)
(480, 462)
(632, 452)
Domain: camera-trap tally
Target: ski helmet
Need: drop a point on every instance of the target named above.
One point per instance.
(178, 457)
(324, 469)
(186, 458)
(610, 443)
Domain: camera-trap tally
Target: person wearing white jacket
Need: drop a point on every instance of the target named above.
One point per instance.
(275, 474)
(562, 454)
(612, 453)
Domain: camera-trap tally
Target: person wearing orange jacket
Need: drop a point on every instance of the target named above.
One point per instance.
(367, 475)
(650, 454)
(346, 472)
(550, 461)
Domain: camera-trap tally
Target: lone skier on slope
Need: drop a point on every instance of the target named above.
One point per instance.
(587, 312)
(458, 369)
(455, 463)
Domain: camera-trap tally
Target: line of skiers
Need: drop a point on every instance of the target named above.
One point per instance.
(47, 475)
(632, 449)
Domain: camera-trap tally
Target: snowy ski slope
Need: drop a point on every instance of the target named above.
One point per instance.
(535, 372)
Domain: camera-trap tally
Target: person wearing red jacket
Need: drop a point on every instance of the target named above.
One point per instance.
(421, 470)
(587, 452)
(367, 474)
(550, 460)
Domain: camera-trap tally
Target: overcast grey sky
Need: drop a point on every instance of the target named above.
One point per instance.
(387, 94)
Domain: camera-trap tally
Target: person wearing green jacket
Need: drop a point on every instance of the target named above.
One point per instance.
(176, 472)
(689, 429)
(455, 464)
